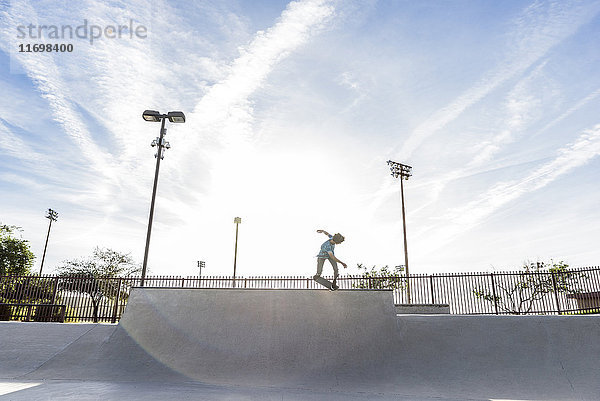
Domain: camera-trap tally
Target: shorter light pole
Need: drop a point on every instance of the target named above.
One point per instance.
(53, 216)
(237, 222)
(201, 264)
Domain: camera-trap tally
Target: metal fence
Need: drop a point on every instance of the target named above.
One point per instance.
(86, 298)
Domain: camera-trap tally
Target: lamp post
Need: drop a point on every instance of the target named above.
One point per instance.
(201, 264)
(237, 222)
(52, 215)
(155, 116)
(403, 171)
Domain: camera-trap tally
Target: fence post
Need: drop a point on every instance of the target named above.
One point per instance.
(555, 293)
(116, 308)
(432, 291)
(494, 293)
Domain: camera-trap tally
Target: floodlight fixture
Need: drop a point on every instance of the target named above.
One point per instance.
(52, 215)
(151, 115)
(400, 170)
(176, 116)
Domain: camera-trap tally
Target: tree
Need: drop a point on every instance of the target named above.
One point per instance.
(16, 259)
(383, 278)
(532, 284)
(95, 275)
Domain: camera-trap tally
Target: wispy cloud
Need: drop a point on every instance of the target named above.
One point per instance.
(577, 106)
(540, 27)
(15, 147)
(568, 158)
(224, 116)
(151, 76)
(227, 106)
(44, 72)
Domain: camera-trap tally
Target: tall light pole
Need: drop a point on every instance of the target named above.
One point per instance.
(403, 172)
(155, 116)
(237, 222)
(53, 216)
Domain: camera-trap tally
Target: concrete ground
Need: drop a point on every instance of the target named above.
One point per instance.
(227, 344)
(63, 390)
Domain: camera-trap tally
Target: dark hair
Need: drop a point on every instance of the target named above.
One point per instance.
(338, 238)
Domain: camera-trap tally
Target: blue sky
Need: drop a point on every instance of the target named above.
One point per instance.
(292, 111)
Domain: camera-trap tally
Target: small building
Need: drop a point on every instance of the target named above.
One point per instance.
(586, 300)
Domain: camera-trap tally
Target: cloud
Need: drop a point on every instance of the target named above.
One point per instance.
(577, 106)
(221, 123)
(44, 72)
(521, 105)
(15, 147)
(574, 155)
(101, 117)
(226, 106)
(540, 27)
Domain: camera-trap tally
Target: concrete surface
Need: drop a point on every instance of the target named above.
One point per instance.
(299, 345)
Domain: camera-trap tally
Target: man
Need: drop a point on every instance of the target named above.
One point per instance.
(327, 253)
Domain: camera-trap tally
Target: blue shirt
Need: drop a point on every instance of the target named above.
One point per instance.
(325, 248)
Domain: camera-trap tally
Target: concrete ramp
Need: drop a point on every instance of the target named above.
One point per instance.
(265, 337)
(344, 342)
(301, 338)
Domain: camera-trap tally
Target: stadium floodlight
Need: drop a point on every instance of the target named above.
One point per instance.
(403, 172)
(52, 215)
(162, 145)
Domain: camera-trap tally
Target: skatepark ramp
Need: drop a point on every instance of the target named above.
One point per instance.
(347, 340)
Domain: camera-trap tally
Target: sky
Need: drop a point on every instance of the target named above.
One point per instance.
(292, 111)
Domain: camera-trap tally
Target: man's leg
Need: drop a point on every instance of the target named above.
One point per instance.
(320, 263)
(335, 270)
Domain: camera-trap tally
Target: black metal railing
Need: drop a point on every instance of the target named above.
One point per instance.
(85, 298)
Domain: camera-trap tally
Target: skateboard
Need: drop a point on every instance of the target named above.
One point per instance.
(325, 283)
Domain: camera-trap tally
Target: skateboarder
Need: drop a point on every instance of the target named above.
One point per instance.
(326, 253)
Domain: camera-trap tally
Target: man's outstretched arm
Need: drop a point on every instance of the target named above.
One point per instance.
(324, 232)
(333, 257)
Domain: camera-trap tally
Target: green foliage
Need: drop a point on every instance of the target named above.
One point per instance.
(517, 294)
(96, 275)
(383, 278)
(104, 262)
(28, 290)
(567, 281)
(16, 258)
